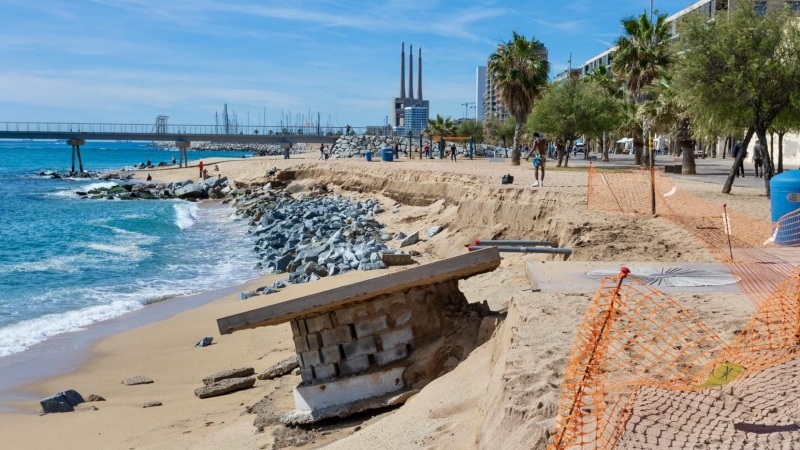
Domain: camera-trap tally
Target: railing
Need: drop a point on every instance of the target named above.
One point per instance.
(116, 128)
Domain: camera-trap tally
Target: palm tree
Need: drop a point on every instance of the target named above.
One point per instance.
(442, 126)
(640, 53)
(667, 113)
(519, 70)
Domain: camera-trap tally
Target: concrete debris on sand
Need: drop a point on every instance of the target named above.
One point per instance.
(231, 373)
(64, 401)
(133, 381)
(94, 398)
(280, 369)
(151, 404)
(224, 387)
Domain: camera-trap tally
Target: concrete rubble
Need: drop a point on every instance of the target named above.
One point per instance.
(133, 381)
(231, 373)
(282, 368)
(225, 386)
(374, 343)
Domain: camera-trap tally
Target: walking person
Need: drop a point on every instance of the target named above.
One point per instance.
(321, 152)
(427, 151)
(173, 160)
(452, 152)
(200, 166)
(539, 152)
(396, 150)
(740, 166)
(758, 159)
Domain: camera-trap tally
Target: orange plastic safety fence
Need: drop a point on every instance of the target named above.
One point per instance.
(637, 348)
(759, 262)
(630, 337)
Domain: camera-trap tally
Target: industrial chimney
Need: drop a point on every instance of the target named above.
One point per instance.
(403, 71)
(411, 71)
(419, 77)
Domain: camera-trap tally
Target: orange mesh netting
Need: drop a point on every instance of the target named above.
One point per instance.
(741, 242)
(642, 366)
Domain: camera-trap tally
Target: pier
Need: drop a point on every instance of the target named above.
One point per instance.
(76, 134)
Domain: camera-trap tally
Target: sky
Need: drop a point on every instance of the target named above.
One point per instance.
(127, 61)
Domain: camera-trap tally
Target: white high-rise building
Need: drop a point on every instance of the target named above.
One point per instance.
(416, 119)
(480, 91)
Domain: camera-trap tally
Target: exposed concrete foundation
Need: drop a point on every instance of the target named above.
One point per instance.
(377, 350)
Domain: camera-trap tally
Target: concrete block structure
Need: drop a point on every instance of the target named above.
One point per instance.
(374, 343)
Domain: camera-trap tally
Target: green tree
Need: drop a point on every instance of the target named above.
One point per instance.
(520, 73)
(572, 109)
(641, 52)
(471, 128)
(667, 114)
(603, 77)
(441, 126)
(499, 131)
(742, 68)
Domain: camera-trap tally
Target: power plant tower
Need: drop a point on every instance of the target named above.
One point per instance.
(419, 77)
(403, 71)
(411, 71)
(406, 99)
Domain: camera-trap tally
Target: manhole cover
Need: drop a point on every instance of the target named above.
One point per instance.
(671, 276)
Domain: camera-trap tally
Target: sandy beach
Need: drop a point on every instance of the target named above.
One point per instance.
(503, 394)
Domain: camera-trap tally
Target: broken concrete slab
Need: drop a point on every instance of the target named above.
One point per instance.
(395, 259)
(455, 268)
(230, 373)
(133, 381)
(225, 386)
(410, 240)
(280, 369)
(348, 390)
(151, 404)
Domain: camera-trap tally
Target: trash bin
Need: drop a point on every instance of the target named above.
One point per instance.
(387, 154)
(785, 198)
(368, 156)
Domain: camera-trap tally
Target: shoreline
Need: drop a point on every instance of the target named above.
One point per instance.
(480, 401)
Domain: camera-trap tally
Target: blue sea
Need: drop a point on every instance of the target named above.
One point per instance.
(66, 263)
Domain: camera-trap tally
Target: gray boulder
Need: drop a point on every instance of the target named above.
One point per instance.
(247, 294)
(371, 265)
(433, 231)
(64, 401)
(410, 240)
(224, 387)
(191, 191)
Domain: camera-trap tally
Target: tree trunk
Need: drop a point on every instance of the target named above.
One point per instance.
(560, 153)
(771, 145)
(687, 164)
(638, 148)
(725, 146)
(726, 189)
(515, 154)
(780, 151)
(605, 147)
(567, 152)
(769, 167)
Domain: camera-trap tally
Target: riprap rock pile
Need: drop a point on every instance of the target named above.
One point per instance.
(313, 236)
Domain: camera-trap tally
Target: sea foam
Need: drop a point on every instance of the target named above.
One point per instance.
(185, 214)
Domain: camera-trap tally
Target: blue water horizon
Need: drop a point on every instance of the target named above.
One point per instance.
(67, 262)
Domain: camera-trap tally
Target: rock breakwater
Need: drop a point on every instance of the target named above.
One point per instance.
(257, 149)
(355, 146)
(313, 236)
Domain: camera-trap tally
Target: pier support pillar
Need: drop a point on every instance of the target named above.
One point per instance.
(182, 153)
(76, 148)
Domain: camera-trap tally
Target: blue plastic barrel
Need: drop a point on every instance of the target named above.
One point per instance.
(368, 155)
(785, 198)
(387, 154)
